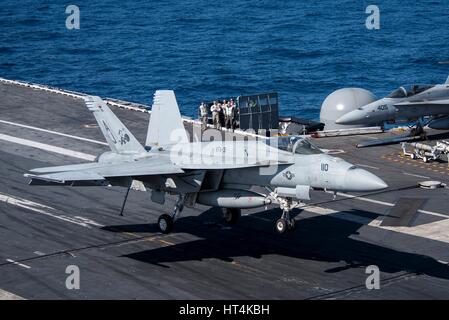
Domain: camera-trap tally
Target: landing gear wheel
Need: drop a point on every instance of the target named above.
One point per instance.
(413, 156)
(292, 224)
(281, 225)
(165, 223)
(425, 159)
(231, 215)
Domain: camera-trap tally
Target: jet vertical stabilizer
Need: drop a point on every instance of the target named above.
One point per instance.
(119, 138)
(166, 126)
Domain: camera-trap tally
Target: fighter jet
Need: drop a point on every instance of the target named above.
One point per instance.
(214, 173)
(409, 103)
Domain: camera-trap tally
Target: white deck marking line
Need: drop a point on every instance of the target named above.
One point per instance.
(389, 204)
(415, 175)
(54, 132)
(435, 230)
(366, 166)
(88, 221)
(5, 295)
(47, 147)
(18, 264)
(47, 211)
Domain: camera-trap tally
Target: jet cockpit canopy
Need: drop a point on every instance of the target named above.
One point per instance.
(294, 144)
(409, 90)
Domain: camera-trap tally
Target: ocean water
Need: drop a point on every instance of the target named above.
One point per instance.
(304, 50)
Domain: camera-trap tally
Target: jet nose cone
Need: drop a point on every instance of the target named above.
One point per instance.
(360, 180)
(352, 117)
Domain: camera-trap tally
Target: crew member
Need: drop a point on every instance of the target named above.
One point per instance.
(224, 105)
(216, 109)
(203, 115)
(229, 115)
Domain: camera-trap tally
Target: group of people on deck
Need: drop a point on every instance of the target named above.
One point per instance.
(224, 110)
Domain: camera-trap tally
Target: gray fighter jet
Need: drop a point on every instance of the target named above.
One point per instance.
(215, 173)
(409, 103)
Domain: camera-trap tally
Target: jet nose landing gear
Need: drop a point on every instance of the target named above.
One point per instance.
(286, 204)
(285, 222)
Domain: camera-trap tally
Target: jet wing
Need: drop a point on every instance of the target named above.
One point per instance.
(223, 165)
(419, 108)
(97, 172)
(69, 178)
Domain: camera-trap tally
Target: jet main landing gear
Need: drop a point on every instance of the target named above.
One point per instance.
(166, 221)
(231, 215)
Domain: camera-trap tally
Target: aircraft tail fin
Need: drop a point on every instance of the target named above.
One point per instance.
(166, 126)
(447, 80)
(118, 137)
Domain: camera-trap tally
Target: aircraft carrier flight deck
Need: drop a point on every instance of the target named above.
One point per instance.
(403, 230)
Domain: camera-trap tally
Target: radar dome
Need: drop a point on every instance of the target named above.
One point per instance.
(341, 102)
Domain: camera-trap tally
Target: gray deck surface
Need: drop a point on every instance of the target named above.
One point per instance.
(45, 229)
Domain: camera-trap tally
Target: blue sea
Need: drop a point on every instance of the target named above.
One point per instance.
(304, 50)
